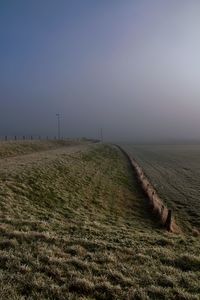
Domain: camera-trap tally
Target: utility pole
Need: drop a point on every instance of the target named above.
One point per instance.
(58, 116)
(102, 135)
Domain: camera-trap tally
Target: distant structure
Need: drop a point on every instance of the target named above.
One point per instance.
(101, 132)
(58, 117)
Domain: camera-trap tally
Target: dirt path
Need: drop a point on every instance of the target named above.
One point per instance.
(20, 162)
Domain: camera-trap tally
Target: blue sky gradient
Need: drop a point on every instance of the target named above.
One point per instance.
(131, 67)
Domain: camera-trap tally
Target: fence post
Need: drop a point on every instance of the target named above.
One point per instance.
(168, 222)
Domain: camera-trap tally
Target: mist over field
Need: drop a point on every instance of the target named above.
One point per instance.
(99, 149)
(130, 67)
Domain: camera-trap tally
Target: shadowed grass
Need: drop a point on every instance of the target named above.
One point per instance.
(80, 228)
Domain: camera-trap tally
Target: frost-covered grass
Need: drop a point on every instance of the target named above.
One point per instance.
(13, 148)
(80, 227)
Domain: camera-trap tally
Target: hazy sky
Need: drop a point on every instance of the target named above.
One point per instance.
(131, 67)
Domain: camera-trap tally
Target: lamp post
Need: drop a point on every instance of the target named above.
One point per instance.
(101, 132)
(58, 117)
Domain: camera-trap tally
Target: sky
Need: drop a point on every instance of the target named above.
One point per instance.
(130, 67)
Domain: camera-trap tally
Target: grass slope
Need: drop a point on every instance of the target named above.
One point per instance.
(13, 148)
(79, 228)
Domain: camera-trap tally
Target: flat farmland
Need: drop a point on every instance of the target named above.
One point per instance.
(174, 170)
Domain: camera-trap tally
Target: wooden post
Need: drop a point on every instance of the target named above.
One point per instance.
(168, 223)
(162, 210)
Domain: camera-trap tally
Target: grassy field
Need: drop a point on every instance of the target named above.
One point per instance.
(175, 172)
(13, 148)
(77, 226)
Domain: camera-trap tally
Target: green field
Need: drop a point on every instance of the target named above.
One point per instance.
(76, 225)
(174, 171)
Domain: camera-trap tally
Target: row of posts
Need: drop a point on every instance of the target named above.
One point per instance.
(31, 137)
